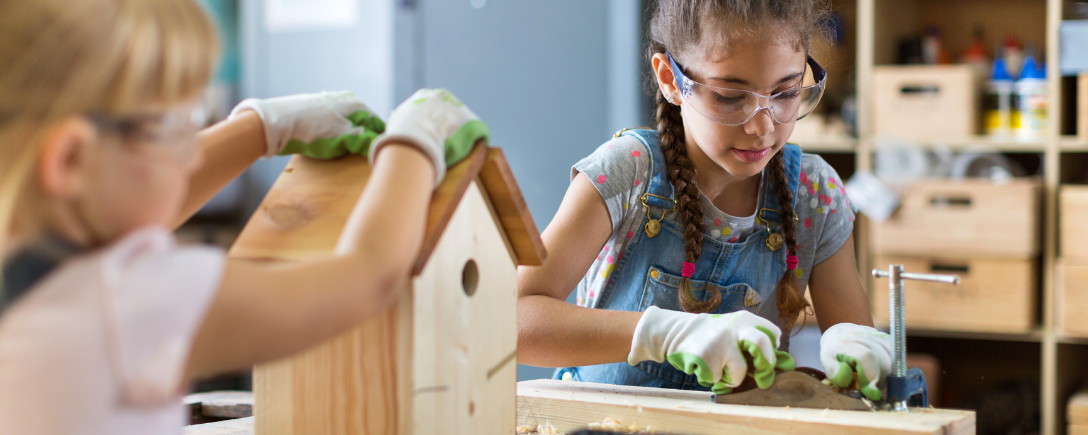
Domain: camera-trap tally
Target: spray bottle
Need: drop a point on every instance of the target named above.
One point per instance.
(1032, 101)
(998, 104)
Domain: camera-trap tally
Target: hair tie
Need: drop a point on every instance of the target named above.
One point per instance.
(791, 262)
(689, 269)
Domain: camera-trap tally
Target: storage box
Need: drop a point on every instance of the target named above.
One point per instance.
(971, 218)
(926, 103)
(1082, 106)
(1073, 221)
(1072, 297)
(1077, 414)
(994, 295)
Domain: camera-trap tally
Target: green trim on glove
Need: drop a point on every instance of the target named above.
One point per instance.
(333, 147)
(842, 379)
(460, 144)
(367, 120)
(693, 365)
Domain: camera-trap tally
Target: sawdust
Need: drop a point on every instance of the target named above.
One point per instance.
(613, 425)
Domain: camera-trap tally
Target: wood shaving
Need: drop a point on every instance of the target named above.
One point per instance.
(613, 425)
(548, 429)
(524, 429)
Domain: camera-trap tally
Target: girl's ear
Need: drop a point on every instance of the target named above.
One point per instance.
(666, 81)
(63, 157)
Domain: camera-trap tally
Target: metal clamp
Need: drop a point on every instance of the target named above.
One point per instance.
(898, 391)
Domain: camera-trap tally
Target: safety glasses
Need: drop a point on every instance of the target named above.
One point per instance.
(175, 130)
(736, 106)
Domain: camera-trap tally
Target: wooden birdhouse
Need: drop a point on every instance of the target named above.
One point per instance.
(443, 359)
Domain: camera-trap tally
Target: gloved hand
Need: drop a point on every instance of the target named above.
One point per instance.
(711, 346)
(324, 125)
(438, 124)
(846, 348)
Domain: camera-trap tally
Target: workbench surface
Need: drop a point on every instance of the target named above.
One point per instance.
(570, 406)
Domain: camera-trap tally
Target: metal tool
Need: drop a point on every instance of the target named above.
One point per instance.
(796, 389)
(902, 386)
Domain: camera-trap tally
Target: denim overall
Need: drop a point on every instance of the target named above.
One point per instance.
(648, 272)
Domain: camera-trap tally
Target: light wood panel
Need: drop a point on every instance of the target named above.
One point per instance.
(465, 364)
(573, 405)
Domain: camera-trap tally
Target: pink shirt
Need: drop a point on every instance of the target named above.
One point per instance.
(100, 345)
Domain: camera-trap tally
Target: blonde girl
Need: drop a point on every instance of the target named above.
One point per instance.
(690, 245)
(104, 319)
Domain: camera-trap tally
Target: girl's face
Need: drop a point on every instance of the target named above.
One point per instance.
(761, 65)
(134, 173)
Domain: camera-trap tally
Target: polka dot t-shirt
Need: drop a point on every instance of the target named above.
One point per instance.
(620, 169)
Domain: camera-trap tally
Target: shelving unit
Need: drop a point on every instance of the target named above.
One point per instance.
(1056, 363)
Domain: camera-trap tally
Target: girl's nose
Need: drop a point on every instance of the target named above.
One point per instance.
(761, 124)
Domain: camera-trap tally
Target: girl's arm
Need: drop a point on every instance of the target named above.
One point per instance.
(551, 332)
(227, 149)
(266, 312)
(836, 290)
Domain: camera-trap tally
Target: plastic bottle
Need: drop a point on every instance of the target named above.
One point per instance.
(975, 54)
(1032, 101)
(997, 105)
(1014, 56)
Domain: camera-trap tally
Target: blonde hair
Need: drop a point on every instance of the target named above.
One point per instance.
(64, 58)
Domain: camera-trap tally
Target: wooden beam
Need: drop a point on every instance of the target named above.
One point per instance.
(570, 406)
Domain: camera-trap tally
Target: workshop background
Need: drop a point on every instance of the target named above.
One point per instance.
(962, 126)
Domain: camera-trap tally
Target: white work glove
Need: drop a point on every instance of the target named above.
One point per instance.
(711, 346)
(846, 348)
(438, 124)
(323, 125)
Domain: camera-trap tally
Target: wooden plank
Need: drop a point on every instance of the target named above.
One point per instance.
(517, 222)
(465, 330)
(306, 210)
(222, 404)
(570, 406)
(238, 426)
(356, 383)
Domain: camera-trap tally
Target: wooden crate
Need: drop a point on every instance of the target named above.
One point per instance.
(443, 358)
(1072, 297)
(994, 295)
(969, 218)
(1073, 221)
(1077, 414)
(925, 103)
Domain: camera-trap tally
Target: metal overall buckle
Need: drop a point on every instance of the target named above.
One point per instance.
(653, 227)
(774, 240)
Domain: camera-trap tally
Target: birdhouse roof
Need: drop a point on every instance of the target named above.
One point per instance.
(489, 167)
(307, 208)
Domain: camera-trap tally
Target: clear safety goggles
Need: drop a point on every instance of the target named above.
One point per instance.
(174, 130)
(736, 106)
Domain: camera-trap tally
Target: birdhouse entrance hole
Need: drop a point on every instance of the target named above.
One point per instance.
(470, 277)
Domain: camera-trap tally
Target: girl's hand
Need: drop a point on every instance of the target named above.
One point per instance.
(438, 124)
(324, 125)
(711, 346)
(846, 348)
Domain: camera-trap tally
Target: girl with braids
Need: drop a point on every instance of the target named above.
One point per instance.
(104, 320)
(700, 236)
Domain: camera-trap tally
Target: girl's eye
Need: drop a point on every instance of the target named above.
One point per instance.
(729, 99)
(788, 95)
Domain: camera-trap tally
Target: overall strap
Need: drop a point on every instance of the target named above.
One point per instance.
(659, 192)
(770, 211)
